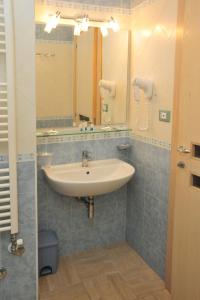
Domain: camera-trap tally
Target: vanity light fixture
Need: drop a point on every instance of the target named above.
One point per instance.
(114, 25)
(77, 29)
(81, 24)
(104, 30)
(52, 22)
(85, 24)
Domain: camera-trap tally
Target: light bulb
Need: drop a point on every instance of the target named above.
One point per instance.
(146, 33)
(114, 25)
(52, 22)
(158, 29)
(104, 30)
(55, 21)
(85, 24)
(77, 29)
(48, 27)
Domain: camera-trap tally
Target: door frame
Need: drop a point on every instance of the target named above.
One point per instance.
(175, 131)
(75, 81)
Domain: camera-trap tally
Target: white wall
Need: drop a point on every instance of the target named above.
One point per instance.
(114, 68)
(153, 56)
(24, 29)
(54, 79)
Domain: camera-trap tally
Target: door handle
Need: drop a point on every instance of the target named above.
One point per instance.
(182, 149)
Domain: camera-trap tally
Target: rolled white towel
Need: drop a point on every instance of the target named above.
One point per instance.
(109, 86)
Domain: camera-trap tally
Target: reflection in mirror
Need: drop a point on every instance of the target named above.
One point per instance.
(80, 78)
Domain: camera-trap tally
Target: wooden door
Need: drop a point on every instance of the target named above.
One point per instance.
(97, 76)
(186, 229)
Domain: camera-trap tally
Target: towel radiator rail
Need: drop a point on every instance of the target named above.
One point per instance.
(8, 175)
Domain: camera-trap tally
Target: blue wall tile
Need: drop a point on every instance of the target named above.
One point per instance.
(60, 33)
(114, 3)
(135, 2)
(55, 122)
(67, 216)
(147, 204)
(141, 210)
(20, 282)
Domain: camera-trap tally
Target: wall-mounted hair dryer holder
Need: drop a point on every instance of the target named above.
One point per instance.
(146, 85)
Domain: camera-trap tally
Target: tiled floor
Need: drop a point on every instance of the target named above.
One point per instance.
(110, 273)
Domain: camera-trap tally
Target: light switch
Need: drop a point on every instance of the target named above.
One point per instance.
(164, 116)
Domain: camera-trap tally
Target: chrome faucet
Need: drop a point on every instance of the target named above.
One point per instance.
(85, 158)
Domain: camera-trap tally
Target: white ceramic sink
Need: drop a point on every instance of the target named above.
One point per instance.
(100, 177)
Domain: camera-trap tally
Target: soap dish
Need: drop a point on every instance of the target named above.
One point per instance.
(123, 147)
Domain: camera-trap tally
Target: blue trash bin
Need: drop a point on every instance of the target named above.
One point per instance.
(47, 252)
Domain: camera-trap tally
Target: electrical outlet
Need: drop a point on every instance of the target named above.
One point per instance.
(164, 116)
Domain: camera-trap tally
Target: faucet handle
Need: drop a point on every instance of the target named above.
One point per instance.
(86, 154)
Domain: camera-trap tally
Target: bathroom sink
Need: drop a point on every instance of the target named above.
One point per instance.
(100, 177)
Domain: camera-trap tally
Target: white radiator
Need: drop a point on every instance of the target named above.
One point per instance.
(8, 176)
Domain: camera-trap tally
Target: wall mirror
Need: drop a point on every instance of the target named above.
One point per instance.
(81, 78)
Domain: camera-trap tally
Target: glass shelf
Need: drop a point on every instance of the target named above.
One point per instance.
(76, 131)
